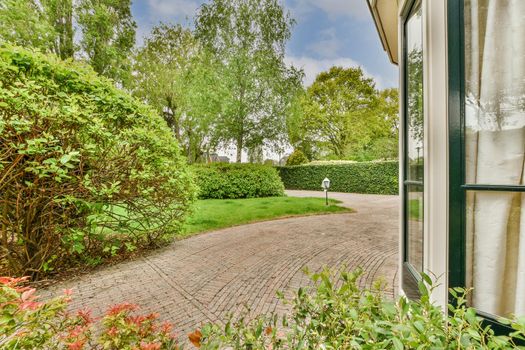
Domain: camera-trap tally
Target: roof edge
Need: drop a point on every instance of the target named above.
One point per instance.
(389, 46)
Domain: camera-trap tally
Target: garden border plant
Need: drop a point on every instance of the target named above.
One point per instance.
(27, 323)
(86, 171)
(334, 314)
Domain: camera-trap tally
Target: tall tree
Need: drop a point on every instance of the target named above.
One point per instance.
(23, 23)
(59, 14)
(175, 75)
(249, 37)
(385, 143)
(414, 93)
(43, 24)
(336, 108)
(343, 112)
(299, 136)
(108, 36)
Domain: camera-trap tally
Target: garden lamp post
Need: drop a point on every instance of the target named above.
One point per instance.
(326, 185)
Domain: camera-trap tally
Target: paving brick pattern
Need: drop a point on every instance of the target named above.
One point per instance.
(209, 276)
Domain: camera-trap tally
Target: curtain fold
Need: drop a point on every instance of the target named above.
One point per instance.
(495, 153)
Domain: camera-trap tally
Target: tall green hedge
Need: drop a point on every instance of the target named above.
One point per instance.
(363, 177)
(221, 181)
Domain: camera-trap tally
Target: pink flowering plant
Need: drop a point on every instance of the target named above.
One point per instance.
(27, 323)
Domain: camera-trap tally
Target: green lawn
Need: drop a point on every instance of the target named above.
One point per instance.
(213, 214)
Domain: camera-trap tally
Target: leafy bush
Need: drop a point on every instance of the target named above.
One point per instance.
(365, 177)
(296, 158)
(334, 314)
(337, 314)
(86, 171)
(29, 324)
(232, 181)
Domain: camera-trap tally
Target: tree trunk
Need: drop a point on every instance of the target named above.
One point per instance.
(65, 30)
(239, 149)
(69, 46)
(191, 154)
(172, 120)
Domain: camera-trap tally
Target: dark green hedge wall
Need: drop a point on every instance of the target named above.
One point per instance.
(363, 177)
(232, 181)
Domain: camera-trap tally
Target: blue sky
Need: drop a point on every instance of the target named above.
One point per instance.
(327, 33)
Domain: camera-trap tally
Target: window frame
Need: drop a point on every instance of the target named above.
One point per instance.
(410, 276)
(458, 187)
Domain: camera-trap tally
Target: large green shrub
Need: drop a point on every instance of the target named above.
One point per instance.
(339, 315)
(86, 171)
(296, 158)
(359, 177)
(222, 181)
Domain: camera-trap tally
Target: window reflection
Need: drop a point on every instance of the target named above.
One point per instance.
(414, 67)
(414, 140)
(495, 91)
(415, 226)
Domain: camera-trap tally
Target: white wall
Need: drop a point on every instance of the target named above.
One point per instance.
(436, 148)
(435, 145)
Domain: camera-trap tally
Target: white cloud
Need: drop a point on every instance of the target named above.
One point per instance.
(328, 45)
(171, 8)
(353, 8)
(312, 67)
(357, 9)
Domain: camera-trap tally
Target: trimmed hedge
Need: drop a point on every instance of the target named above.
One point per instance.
(362, 177)
(231, 181)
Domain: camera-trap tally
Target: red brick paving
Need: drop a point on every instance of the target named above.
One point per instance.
(204, 278)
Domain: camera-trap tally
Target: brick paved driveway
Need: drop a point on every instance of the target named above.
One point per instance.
(206, 277)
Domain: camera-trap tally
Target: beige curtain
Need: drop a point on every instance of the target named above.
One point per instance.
(495, 153)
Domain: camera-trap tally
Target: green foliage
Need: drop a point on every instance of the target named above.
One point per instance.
(337, 314)
(86, 171)
(24, 23)
(59, 14)
(358, 177)
(248, 37)
(108, 35)
(173, 74)
(384, 142)
(342, 115)
(297, 158)
(26, 323)
(299, 136)
(46, 25)
(415, 95)
(222, 181)
(214, 214)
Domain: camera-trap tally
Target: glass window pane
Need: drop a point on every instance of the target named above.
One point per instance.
(414, 211)
(414, 114)
(495, 91)
(496, 251)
